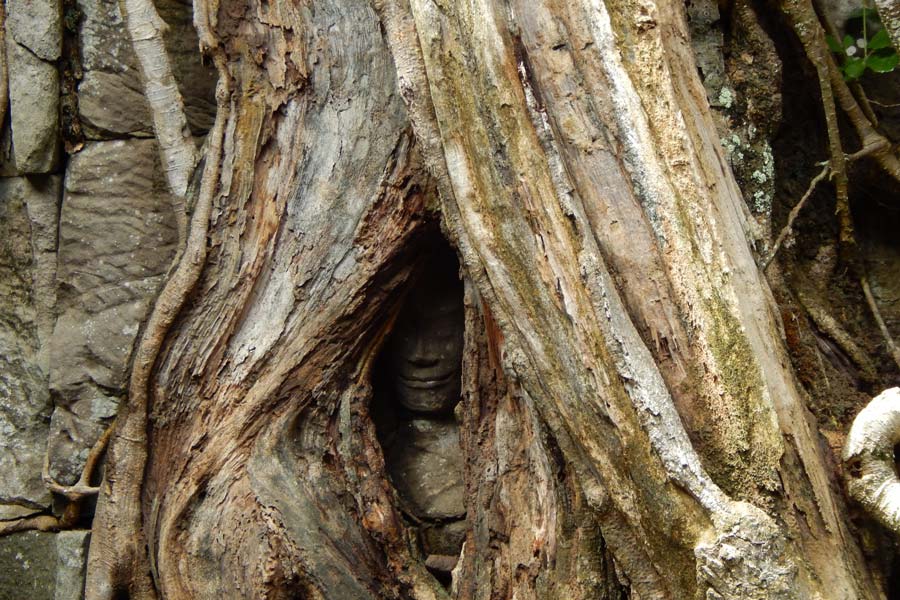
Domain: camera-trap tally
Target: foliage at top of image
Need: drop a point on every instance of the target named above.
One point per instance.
(871, 50)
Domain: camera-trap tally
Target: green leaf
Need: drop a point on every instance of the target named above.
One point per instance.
(848, 41)
(834, 45)
(879, 40)
(883, 64)
(853, 68)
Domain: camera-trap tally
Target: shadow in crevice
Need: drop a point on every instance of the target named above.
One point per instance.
(416, 387)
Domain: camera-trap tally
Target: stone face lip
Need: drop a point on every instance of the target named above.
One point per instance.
(37, 25)
(34, 110)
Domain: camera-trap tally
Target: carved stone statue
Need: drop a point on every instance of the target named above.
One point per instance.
(419, 388)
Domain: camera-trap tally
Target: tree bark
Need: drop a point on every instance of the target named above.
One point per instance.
(631, 424)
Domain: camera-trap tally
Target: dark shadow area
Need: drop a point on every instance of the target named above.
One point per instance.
(416, 385)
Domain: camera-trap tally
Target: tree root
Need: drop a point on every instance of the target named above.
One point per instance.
(176, 145)
(43, 522)
(75, 494)
(830, 327)
(809, 29)
(870, 299)
(146, 28)
(869, 459)
(788, 228)
(118, 561)
(82, 488)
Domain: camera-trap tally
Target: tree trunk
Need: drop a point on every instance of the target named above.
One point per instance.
(630, 422)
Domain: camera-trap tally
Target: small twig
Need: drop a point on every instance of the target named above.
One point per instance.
(875, 146)
(885, 105)
(870, 299)
(786, 230)
(885, 156)
(864, 103)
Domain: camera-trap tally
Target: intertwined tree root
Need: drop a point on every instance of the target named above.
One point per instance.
(75, 494)
(835, 91)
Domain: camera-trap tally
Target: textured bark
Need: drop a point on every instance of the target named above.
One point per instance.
(889, 11)
(629, 419)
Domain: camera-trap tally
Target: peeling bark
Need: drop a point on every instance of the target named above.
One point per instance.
(629, 423)
(889, 11)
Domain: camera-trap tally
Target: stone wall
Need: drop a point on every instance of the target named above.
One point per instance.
(89, 233)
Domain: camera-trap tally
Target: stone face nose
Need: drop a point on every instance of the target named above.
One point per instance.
(422, 360)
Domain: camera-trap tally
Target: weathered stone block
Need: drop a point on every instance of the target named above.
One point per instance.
(28, 566)
(117, 238)
(37, 25)
(24, 395)
(34, 111)
(110, 107)
(104, 42)
(71, 564)
(43, 566)
(111, 101)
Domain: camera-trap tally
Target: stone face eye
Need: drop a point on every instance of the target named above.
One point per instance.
(424, 353)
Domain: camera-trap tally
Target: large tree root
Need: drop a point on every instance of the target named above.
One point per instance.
(75, 494)
(871, 474)
(118, 561)
(179, 154)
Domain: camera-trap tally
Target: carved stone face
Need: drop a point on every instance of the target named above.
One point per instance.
(426, 345)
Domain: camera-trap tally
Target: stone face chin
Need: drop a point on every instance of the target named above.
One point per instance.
(426, 466)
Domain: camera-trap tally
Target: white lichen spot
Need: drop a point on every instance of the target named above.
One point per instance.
(726, 97)
(762, 202)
